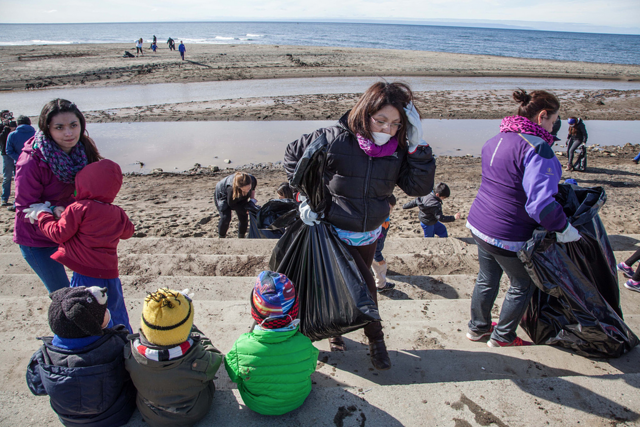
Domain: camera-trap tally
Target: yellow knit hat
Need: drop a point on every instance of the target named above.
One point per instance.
(167, 317)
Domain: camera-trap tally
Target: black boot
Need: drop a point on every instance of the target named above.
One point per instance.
(337, 344)
(377, 348)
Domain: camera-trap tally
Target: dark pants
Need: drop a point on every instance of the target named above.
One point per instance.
(225, 220)
(437, 229)
(486, 290)
(571, 151)
(363, 256)
(8, 169)
(632, 260)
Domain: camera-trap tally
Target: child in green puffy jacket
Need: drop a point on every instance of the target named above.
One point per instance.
(272, 364)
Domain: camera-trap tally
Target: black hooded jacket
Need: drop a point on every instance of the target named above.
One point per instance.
(358, 185)
(581, 134)
(224, 193)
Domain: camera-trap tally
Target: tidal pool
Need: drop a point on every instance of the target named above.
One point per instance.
(101, 98)
(177, 146)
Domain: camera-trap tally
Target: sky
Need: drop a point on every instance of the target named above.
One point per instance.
(588, 15)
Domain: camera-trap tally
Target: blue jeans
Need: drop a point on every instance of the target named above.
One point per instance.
(486, 290)
(51, 272)
(8, 169)
(437, 229)
(637, 158)
(115, 299)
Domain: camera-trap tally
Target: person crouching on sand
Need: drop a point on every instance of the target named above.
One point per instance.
(234, 192)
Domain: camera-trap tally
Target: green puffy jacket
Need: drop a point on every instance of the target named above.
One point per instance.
(272, 369)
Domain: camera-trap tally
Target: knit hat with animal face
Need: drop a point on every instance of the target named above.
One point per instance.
(274, 303)
(78, 312)
(167, 317)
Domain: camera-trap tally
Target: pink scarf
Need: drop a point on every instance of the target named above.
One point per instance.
(521, 124)
(373, 150)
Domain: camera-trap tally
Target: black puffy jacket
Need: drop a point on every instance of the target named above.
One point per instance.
(224, 193)
(430, 209)
(358, 185)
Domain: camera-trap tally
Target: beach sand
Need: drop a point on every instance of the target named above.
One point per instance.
(181, 205)
(91, 65)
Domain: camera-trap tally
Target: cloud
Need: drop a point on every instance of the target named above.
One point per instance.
(50, 11)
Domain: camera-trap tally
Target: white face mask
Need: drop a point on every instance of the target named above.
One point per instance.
(380, 138)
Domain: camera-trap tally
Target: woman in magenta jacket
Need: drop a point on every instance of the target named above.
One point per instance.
(46, 171)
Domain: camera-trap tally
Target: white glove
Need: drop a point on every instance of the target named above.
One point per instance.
(414, 130)
(569, 234)
(307, 216)
(36, 209)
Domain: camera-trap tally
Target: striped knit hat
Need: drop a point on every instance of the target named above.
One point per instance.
(274, 303)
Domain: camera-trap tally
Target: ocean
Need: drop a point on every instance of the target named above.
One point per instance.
(565, 46)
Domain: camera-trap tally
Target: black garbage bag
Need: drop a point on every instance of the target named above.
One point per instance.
(577, 301)
(270, 221)
(332, 293)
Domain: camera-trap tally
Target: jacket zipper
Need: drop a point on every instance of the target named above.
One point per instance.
(364, 196)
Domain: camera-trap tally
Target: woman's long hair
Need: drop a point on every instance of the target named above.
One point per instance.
(241, 179)
(379, 95)
(58, 106)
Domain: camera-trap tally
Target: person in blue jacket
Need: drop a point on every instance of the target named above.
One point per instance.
(81, 367)
(15, 142)
(182, 49)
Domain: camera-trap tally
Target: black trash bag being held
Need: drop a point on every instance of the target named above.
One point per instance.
(269, 221)
(577, 301)
(332, 293)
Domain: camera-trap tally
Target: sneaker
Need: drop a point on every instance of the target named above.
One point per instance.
(515, 343)
(626, 270)
(11, 208)
(477, 336)
(633, 285)
(5, 203)
(387, 287)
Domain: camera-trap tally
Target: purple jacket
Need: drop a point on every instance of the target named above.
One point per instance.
(520, 175)
(35, 183)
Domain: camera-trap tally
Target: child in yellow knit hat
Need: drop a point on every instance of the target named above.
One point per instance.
(171, 363)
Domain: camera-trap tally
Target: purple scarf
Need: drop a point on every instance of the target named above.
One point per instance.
(64, 166)
(521, 124)
(373, 150)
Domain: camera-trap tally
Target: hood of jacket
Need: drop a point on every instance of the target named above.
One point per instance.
(100, 181)
(28, 129)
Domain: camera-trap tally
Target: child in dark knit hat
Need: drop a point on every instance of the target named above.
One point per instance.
(171, 363)
(272, 364)
(81, 367)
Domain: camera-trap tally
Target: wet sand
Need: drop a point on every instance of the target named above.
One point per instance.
(93, 65)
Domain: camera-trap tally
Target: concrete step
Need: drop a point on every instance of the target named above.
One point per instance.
(210, 246)
(601, 401)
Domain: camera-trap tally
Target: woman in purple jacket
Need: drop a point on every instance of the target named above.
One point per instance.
(520, 175)
(45, 172)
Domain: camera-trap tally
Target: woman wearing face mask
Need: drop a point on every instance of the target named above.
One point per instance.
(234, 193)
(374, 147)
(520, 175)
(45, 172)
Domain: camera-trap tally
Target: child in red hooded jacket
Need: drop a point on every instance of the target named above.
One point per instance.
(88, 233)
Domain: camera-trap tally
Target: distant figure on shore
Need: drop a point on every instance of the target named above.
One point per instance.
(15, 143)
(8, 165)
(153, 42)
(171, 43)
(154, 46)
(577, 137)
(139, 47)
(182, 50)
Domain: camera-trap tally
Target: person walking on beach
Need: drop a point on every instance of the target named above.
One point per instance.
(8, 164)
(577, 137)
(374, 147)
(520, 176)
(153, 42)
(139, 47)
(171, 43)
(234, 192)
(46, 171)
(182, 50)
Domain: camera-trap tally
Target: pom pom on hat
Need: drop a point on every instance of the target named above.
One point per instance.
(167, 317)
(78, 312)
(274, 303)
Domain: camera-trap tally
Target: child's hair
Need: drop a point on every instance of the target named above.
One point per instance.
(240, 180)
(392, 200)
(285, 191)
(59, 106)
(442, 190)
